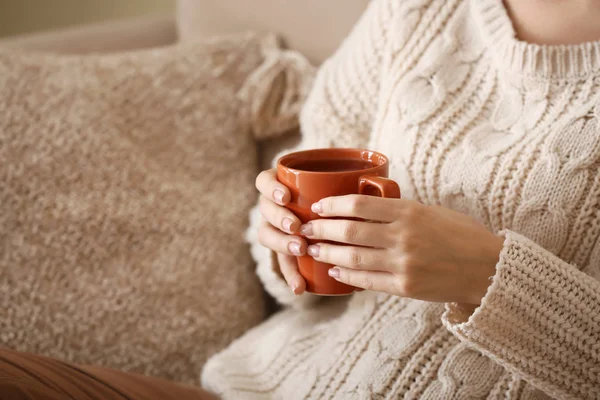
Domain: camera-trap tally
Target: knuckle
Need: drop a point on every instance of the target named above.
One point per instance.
(406, 243)
(325, 254)
(412, 214)
(357, 203)
(284, 264)
(328, 206)
(349, 231)
(259, 179)
(405, 287)
(390, 234)
(281, 213)
(384, 262)
(355, 258)
(263, 205)
(263, 235)
(317, 228)
(263, 222)
(395, 228)
(407, 264)
(366, 282)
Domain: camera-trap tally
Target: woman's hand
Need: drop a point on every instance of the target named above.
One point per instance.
(278, 227)
(408, 249)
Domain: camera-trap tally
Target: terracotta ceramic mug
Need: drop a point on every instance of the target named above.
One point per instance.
(315, 174)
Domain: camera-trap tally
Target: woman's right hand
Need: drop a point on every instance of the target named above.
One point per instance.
(278, 226)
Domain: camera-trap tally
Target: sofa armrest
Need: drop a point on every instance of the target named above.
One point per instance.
(106, 37)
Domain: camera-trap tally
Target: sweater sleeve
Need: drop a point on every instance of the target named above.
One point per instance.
(540, 319)
(338, 112)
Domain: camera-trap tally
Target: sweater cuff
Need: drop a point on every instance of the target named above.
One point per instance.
(268, 270)
(540, 318)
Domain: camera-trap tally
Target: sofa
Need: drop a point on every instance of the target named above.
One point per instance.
(312, 29)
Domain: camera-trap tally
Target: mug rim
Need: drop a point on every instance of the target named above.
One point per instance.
(283, 159)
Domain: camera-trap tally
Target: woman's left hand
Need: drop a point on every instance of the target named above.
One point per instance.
(424, 252)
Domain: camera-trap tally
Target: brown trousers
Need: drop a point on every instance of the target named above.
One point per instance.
(31, 377)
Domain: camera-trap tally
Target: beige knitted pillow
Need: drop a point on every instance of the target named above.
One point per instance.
(125, 185)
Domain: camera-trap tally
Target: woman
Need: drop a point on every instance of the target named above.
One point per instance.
(483, 280)
(495, 144)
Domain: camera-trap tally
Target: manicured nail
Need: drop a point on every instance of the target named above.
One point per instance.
(334, 273)
(287, 224)
(313, 250)
(306, 229)
(278, 196)
(294, 248)
(317, 207)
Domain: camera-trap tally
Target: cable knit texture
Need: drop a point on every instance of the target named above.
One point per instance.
(479, 122)
(125, 185)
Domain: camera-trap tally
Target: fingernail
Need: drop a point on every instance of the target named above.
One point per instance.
(334, 273)
(287, 224)
(296, 289)
(306, 229)
(317, 207)
(294, 247)
(313, 250)
(278, 196)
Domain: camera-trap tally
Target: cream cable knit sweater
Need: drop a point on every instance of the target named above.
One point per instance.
(476, 121)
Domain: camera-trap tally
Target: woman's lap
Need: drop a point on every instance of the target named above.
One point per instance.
(26, 376)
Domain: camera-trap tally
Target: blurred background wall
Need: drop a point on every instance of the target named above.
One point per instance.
(23, 16)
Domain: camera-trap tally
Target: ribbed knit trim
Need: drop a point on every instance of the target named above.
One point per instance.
(542, 61)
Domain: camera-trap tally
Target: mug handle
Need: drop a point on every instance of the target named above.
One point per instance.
(384, 187)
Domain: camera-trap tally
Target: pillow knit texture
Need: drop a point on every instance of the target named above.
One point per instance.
(125, 185)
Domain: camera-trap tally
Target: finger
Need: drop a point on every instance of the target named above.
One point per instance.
(268, 185)
(351, 232)
(349, 256)
(280, 242)
(368, 280)
(358, 206)
(278, 216)
(288, 265)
